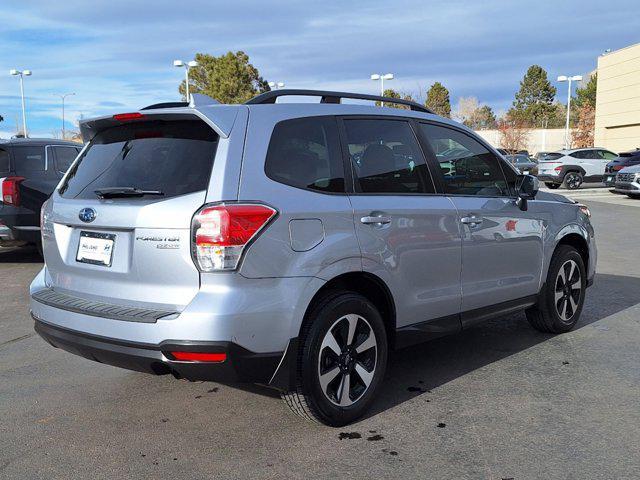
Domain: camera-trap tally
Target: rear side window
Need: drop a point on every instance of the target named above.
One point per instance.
(386, 157)
(4, 162)
(64, 157)
(582, 154)
(174, 157)
(28, 159)
(305, 153)
(466, 166)
(551, 156)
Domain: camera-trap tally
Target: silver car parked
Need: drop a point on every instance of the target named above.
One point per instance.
(296, 244)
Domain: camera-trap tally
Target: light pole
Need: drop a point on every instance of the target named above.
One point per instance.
(382, 78)
(23, 73)
(276, 85)
(187, 66)
(564, 78)
(63, 96)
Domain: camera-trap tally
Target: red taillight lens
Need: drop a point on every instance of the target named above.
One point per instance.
(10, 190)
(617, 168)
(125, 117)
(558, 169)
(199, 357)
(221, 232)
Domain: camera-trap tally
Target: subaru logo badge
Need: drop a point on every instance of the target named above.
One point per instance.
(87, 215)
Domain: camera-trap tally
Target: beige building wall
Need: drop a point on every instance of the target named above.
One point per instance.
(618, 101)
(540, 140)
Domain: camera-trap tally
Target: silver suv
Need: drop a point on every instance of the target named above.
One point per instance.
(296, 244)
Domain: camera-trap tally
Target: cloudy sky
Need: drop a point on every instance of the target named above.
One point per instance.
(117, 55)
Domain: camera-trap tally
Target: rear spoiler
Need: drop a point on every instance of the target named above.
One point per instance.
(219, 117)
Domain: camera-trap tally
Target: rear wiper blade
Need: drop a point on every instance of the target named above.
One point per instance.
(114, 192)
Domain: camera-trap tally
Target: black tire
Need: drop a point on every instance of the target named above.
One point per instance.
(634, 196)
(573, 180)
(545, 315)
(552, 186)
(309, 400)
(39, 249)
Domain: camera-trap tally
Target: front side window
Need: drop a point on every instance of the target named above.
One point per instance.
(28, 159)
(466, 166)
(607, 155)
(582, 154)
(386, 157)
(305, 153)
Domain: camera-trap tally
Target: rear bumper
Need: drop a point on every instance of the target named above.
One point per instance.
(241, 365)
(545, 178)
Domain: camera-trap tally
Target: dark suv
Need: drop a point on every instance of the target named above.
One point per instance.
(30, 169)
(626, 159)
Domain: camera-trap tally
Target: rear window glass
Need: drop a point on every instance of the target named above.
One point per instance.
(28, 159)
(172, 157)
(4, 161)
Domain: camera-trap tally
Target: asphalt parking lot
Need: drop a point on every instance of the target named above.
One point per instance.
(499, 401)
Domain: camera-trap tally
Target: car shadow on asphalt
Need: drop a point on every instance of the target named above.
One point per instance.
(26, 254)
(418, 369)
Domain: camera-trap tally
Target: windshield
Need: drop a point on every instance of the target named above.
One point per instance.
(172, 157)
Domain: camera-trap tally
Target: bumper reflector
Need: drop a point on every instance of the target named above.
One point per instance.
(199, 357)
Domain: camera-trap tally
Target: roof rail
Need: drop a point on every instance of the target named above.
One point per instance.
(332, 97)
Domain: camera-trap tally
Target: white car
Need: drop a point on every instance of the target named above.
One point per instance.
(573, 167)
(628, 181)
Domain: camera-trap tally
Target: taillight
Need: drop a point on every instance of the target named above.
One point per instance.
(557, 169)
(617, 168)
(198, 357)
(220, 233)
(10, 190)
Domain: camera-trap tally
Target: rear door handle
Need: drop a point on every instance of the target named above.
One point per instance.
(471, 220)
(375, 220)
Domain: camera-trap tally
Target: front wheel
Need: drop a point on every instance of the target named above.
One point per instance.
(552, 186)
(342, 360)
(573, 180)
(562, 297)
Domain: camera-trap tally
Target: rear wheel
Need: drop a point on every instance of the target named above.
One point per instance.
(342, 360)
(561, 300)
(552, 186)
(573, 180)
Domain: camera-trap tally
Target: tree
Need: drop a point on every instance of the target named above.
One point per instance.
(587, 94)
(229, 78)
(470, 113)
(391, 93)
(582, 136)
(514, 133)
(534, 101)
(438, 100)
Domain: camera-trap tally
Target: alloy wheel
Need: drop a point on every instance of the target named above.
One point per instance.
(347, 360)
(568, 290)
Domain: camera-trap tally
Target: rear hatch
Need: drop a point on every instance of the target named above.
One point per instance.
(118, 228)
(548, 163)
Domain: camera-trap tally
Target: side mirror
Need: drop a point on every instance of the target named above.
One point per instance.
(527, 190)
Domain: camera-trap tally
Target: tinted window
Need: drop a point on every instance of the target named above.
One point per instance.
(305, 153)
(28, 159)
(64, 157)
(386, 157)
(551, 156)
(581, 154)
(466, 166)
(607, 155)
(173, 157)
(4, 161)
